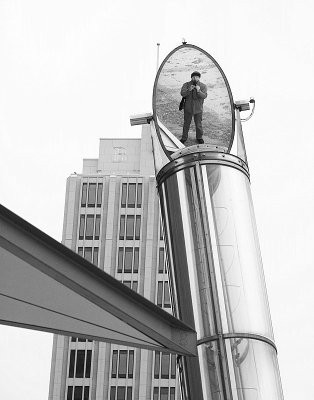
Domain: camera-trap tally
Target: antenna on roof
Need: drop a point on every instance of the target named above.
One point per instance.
(158, 44)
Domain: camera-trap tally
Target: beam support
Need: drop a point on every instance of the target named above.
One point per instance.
(45, 286)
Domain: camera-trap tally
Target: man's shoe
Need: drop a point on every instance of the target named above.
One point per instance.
(182, 140)
(200, 141)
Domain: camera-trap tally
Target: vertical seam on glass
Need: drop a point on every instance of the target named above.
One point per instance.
(189, 250)
(194, 288)
(221, 299)
(218, 279)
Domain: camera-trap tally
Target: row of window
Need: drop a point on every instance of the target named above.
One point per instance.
(165, 366)
(131, 196)
(130, 227)
(78, 393)
(164, 393)
(131, 284)
(121, 393)
(125, 393)
(91, 194)
(122, 364)
(90, 253)
(122, 367)
(89, 227)
(76, 339)
(163, 294)
(80, 363)
(128, 259)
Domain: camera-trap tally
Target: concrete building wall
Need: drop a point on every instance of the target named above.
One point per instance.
(84, 369)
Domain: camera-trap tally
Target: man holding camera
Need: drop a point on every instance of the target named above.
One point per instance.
(194, 92)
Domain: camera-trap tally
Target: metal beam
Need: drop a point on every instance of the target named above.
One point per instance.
(46, 286)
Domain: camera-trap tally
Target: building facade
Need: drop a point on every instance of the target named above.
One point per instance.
(112, 218)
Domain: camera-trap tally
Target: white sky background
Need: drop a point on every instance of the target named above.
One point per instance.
(73, 71)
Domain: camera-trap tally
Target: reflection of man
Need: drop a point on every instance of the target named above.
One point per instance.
(194, 92)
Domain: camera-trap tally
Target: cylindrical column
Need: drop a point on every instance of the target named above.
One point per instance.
(217, 277)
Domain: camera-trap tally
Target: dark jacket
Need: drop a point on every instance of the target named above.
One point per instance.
(194, 100)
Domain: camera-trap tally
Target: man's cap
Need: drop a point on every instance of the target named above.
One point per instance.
(195, 73)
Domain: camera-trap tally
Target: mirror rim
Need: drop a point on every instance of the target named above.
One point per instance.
(168, 153)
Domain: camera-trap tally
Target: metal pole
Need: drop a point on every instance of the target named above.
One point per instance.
(217, 277)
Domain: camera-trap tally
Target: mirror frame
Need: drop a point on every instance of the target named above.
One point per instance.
(167, 152)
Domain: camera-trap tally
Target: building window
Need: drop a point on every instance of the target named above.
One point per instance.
(131, 284)
(130, 227)
(163, 294)
(161, 231)
(138, 227)
(165, 366)
(84, 195)
(131, 195)
(99, 194)
(124, 194)
(121, 393)
(161, 261)
(91, 194)
(122, 227)
(95, 256)
(164, 393)
(82, 227)
(80, 363)
(78, 393)
(139, 195)
(89, 253)
(89, 227)
(75, 339)
(97, 227)
(136, 259)
(128, 259)
(122, 364)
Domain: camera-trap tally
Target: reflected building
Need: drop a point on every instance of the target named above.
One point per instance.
(112, 218)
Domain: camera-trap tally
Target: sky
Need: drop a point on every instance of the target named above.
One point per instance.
(72, 72)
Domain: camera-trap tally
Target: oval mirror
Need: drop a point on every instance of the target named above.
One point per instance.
(207, 115)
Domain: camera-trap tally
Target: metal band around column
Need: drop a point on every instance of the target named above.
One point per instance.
(184, 160)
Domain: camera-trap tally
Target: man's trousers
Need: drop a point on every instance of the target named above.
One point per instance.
(198, 124)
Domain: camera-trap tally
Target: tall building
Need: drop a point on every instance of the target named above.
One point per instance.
(112, 219)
